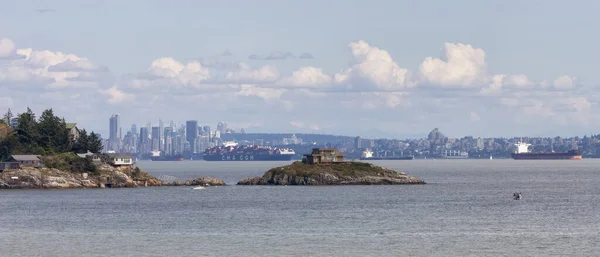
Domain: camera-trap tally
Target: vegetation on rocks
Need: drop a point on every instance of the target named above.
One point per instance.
(47, 135)
(347, 173)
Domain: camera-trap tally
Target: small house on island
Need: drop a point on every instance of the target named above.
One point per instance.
(19, 161)
(25, 160)
(73, 130)
(95, 157)
(121, 159)
(323, 156)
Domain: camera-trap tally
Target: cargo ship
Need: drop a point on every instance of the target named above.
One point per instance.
(523, 153)
(156, 156)
(367, 155)
(234, 152)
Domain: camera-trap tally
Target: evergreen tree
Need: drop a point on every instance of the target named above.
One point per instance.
(94, 143)
(54, 136)
(81, 145)
(27, 134)
(7, 117)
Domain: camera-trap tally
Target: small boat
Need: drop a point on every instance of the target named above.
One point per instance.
(517, 196)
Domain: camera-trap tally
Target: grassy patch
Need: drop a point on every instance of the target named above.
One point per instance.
(344, 170)
(69, 162)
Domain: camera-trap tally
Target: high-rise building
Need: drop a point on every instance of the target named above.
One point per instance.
(191, 133)
(134, 129)
(357, 142)
(114, 127)
(161, 127)
(114, 139)
(222, 127)
(155, 139)
(143, 140)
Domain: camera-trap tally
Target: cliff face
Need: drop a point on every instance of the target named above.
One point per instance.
(350, 173)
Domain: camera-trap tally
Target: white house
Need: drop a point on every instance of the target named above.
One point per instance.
(121, 159)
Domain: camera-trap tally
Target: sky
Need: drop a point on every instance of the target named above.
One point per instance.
(378, 68)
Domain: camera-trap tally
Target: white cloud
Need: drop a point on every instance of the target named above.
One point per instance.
(7, 49)
(462, 66)
(309, 77)
(373, 69)
(373, 92)
(564, 82)
(245, 74)
(117, 96)
(265, 93)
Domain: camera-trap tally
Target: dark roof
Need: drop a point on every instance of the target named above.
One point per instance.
(120, 155)
(25, 157)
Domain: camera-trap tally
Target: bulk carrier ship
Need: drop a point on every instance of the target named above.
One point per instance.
(523, 153)
(233, 152)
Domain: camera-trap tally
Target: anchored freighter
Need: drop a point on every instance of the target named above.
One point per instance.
(523, 153)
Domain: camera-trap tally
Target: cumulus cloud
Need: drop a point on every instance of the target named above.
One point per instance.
(564, 82)
(462, 66)
(8, 50)
(309, 77)
(372, 89)
(373, 69)
(117, 96)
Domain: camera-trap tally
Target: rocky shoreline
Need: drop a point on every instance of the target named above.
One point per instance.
(107, 176)
(347, 173)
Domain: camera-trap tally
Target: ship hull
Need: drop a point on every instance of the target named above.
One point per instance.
(166, 158)
(247, 157)
(385, 158)
(572, 155)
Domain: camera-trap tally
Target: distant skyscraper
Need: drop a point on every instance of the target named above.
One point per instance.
(114, 127)
(143, 140)
(133, 129)
(357, 142)
(191, 133)
(222, 127)
(114, 139)
(155, 138)
(161, 127)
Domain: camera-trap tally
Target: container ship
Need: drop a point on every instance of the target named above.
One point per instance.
(523, 153)
(368, 155)
(157, 157)
(233, 152)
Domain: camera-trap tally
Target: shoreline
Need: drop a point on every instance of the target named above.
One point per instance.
(106, 177)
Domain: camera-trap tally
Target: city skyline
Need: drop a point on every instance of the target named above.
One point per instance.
(507, 74)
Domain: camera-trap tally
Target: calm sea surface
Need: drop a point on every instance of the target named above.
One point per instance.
(466, 209)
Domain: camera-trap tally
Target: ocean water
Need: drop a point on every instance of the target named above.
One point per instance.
(466, 209)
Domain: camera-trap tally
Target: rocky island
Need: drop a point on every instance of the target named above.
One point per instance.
(325, 166)
(79, 171)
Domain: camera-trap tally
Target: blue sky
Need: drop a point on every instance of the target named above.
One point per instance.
(548, 47)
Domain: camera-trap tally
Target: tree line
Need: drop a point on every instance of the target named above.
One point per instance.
(47, 135)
